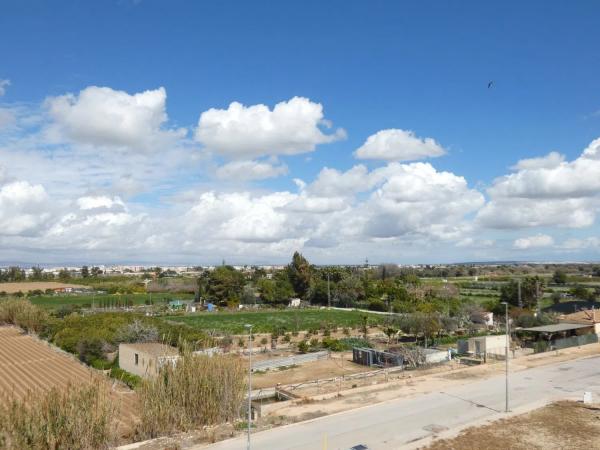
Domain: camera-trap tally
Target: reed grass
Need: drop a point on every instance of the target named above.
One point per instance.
(78, 417)
(198, 390)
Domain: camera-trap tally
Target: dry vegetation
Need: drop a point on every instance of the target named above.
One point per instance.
(561, 425)
(26, 286)
(80, 417)
(199, 390)
(23, 314)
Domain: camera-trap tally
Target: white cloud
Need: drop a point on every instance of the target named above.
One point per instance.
(537, 241)
(398, 145)
(23, 208)
(247, 132)
(547, 191)
(95, 202)
(550, 161)
(3, 85)
(250, 170)
(581, 244)
(101, 116)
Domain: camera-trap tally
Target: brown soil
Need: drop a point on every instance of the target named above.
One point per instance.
(336, 366)
(27, 364)
(11, 288)
(561, 425)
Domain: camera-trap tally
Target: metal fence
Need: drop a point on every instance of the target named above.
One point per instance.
(289, 361)
(558, 344)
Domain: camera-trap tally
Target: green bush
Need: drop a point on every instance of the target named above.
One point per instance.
(129, 379)
(303, 347)
(377, 305)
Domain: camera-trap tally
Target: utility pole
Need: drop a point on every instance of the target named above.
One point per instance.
(249, 328)
(537, 296)
(506, 348)
(328, 292)
(519, 293)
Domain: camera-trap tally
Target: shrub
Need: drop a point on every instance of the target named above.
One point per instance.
(377, 305)
(314, 342)
(199, 390)
(129, 379)
(80, 417)
(23, 314)
(303, 347)
(137, 331)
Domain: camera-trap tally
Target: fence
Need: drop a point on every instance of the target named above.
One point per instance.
(289, 361)
(559, 344)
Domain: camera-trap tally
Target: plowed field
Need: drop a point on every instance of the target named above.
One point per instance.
(27, 363)
(26, 286)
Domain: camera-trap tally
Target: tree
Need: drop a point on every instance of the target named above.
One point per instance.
(85, 272)
(559, 277)
(225, 284)
(64, 275)
(531, 289)
(96, 271)
(300, 275)
(37, 273)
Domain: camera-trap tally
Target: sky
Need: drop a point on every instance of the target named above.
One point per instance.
(188, 132)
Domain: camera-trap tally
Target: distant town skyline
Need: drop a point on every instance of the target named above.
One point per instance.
(189, 132)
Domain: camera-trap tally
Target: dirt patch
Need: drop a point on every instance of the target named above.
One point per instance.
(12, 288)
(561, 425)
(316, 370)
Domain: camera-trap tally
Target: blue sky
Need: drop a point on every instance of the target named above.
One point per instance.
(373, 66)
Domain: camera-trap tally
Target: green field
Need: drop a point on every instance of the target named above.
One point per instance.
(270, 321)
(100, 300)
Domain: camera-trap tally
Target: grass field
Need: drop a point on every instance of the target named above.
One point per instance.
(270, 321)
(56, 301)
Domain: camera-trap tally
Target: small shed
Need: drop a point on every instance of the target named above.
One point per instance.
(372, 357)
(146, 359)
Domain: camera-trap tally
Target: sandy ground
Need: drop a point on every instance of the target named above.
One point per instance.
(335, 366)
(11, 288)
(561, 425)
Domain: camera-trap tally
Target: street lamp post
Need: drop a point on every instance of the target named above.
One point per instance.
(506, 353)
(249, 328)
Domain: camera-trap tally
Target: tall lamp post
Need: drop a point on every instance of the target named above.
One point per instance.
(249, 328)
(506, 352)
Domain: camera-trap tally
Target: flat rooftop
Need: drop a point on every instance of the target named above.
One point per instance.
(154, 348)
(556, 327)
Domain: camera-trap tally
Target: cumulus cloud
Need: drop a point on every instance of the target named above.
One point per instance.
(546, 191)
(103, 117)
(3, 85)
(23, 208)
(550, 161)
(537, 241)
(250, 170)
(398, 145)
(247, 132)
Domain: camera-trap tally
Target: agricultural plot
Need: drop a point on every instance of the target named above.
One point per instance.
(276, 320)
(26, 286)
(27, 363)
(103, 300)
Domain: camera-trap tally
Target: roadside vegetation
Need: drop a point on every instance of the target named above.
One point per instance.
(80, 417)
(199, 390)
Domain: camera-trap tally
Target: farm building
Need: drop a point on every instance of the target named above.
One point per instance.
(146, 359)
(588, 317)
(483, 346)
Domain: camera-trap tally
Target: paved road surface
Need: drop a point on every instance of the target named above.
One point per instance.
(405, 422)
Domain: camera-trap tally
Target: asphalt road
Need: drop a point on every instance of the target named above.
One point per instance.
(406, 422)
